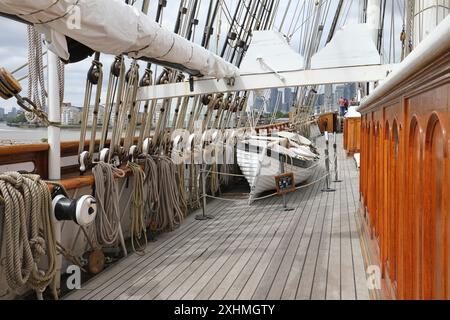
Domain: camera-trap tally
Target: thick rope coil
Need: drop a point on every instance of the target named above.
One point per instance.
(170, 213)
(107, 221)
(151, 185)
(138, 227)
(28, 231)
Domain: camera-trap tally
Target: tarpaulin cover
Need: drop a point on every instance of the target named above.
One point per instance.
(113, 27)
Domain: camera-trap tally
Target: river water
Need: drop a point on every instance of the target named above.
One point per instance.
(13, 135)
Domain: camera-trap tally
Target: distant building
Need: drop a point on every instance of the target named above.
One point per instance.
(70, 115)
(273, 100)
(288, 100)
(12, 114)
(2, 114)
(100, 114)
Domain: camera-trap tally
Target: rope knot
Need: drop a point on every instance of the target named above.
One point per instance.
(37, 245)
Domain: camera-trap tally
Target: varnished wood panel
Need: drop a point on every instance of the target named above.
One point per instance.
(405, 183)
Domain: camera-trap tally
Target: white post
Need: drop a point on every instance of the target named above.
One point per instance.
(373, 22)
(54, 140)
(427, 15)
(373, 18)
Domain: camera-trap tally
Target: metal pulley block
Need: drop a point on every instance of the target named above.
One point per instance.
(82, 210)
(232, 36)
(147, 78)
(241, 44)
(116, 67)
(180, 78)
(206, 99)
(133, 69)
(94, 72)
(146, 146)
(104, 155)
(164, 77)
(133, 153)
(84, 160)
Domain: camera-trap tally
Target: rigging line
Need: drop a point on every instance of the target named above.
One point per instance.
(284, 16)
(269, 14)
(302, 9)
(225, 46)
(294, 15)
(348, 11)
(240, 32)
(312, 15)
(228, 15)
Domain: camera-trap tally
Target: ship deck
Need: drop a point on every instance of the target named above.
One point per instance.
(253, 252)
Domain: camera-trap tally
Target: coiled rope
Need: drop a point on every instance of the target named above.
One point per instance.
(151, 185)
(107, 221)
(138, 228)
(170, 213)
(28, 232)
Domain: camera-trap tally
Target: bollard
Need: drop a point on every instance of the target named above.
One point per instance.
(327, 165)
(336, 171)
(204, 215)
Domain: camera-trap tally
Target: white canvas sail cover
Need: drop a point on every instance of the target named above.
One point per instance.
(113, 27)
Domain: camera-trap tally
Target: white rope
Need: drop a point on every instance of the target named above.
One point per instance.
(28, 232)
(107, 221)
(138, 227)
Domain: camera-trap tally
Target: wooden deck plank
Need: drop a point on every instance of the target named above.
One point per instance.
(164, 241)
(334, 262)
(305, 285)
(218, 246)
(253, 252)
(194, 248)
(362, 292)
(245, 290)
(275, 275)
(198, 277)
(319, 290)
(291, 285)
(242, 266)
(152, 259)
(214, 280)
(347, 272)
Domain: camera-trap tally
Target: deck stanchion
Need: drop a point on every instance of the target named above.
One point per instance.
(327, 165)
(282, 170)
(336, 171)
(204, 215)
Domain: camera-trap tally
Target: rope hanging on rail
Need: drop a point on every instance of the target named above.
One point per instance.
(107, 221)
(170, 213)
(138, 227)
(28, 232)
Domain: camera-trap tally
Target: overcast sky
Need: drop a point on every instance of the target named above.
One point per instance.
(13, 48)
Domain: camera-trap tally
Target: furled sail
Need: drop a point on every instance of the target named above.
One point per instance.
(113, 27)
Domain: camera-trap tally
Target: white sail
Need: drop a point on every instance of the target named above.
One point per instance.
(113, 27)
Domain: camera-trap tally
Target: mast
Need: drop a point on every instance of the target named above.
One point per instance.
(427, 15)
(374, 18)
(373, 22)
